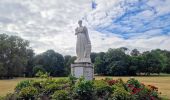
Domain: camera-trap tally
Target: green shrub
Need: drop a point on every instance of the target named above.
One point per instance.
(37, 84)
(102, 89)
(10, 96)
(84, 89)
(62, 81)
(23, 84)
(28, 93)
(50, 88)
(42, 74)
(61, 95)
(2, 98)
(134, 82)
(81, 89)
(119, 93)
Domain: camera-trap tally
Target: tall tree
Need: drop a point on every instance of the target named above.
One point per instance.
(67, 64)
(93, 56)
(52, 62)
(99, 64)
(135, 52)
(117, 62)
(13, 55)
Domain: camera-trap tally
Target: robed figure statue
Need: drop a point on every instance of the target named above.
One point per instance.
(83, 45)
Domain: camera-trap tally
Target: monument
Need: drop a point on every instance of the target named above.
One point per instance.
(82, 65)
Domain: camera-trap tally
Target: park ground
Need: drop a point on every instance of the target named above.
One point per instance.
(162, 82)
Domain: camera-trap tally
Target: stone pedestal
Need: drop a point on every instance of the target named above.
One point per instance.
(83, 69)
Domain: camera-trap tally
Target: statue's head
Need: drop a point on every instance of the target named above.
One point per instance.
(80, 22)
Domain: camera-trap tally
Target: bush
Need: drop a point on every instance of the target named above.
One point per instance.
(102, 89)
(28, 93)
(51, 88)
(84, 89)
(23, 84)
(142, 92)
(134, 82)
(61, 95)
(81, 89)
(120, 93)
(10, 96)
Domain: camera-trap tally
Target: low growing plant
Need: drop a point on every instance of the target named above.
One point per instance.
(61, 95)
(102, 89)
(28, 93)
(84, 89)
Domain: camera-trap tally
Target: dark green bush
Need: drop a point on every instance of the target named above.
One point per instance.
(61, 95)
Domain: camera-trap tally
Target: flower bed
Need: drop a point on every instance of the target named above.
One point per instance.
(80, 89)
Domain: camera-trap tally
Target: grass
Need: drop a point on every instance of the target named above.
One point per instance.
(163, 83)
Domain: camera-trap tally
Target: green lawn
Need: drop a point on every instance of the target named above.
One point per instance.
(162, 82)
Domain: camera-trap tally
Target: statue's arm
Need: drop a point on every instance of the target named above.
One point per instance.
(87, 35)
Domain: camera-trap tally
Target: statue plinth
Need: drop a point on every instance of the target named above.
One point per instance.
(84, 69)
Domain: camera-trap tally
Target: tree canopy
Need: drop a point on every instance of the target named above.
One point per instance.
(18, 59)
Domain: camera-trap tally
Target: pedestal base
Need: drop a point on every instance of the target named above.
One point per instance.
(82, 69)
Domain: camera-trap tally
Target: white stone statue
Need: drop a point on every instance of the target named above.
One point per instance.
(83, 45)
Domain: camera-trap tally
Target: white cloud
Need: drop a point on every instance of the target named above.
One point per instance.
(50, 24)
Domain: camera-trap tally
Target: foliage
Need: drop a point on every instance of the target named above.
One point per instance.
(28, 93)
(81, 89)
(9, 96)
(52, 62)
(42, 74)
(23, 84)
(18, 59)
(38, 68)
(133, 81)
(142, 92)
(102, 89)
(119, 93)
(14, 54)
(84, 89)
(61, 95)
(118, 62)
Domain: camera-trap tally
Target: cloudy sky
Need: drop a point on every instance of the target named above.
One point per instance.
(50, 24)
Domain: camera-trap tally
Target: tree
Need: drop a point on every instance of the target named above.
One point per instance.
(93, 57)
(38, 68)
(13, 55)
(135, 52)
(67, 64)
(30, 63)
(52, 62)
(117, 62)
(152, 62)
(99, 64)
(166, 67)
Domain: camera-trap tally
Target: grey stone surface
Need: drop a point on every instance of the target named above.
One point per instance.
(83, 69)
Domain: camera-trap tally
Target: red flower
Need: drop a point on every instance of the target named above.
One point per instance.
(112, 82)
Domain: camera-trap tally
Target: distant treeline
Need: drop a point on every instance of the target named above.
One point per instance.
(17, 59)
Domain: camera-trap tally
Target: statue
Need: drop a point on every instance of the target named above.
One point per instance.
(83, 45)
(82, 65)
